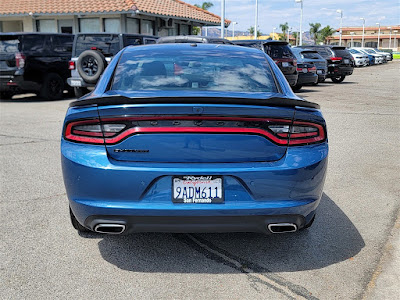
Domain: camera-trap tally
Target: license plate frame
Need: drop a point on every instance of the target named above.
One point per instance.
(346, 61)
(76, 83)
(319, 72)
(285, 64)
(200, 189)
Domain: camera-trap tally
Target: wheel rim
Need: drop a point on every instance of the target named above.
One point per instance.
(89, 65)
(54, 86)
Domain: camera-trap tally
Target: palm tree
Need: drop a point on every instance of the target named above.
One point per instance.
(284, 28)
(251, 31)
(326, 32)
(314, 31)
(205, 5)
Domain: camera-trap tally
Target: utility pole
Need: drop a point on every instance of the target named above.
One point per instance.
(340, 32)
(222, 18)
(301, 20)
(256, 22)
(379, 33)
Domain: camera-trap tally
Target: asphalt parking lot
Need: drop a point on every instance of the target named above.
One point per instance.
(339, 257)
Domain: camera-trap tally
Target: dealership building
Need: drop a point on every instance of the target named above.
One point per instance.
(154, 17)
(352, 37)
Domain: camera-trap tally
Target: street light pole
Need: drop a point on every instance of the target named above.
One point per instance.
(222, 18)
(352, 44)
(340, 32)
(273, 33)
(379, 32)
(362, 42)
(390, 37)
(301, 20)
(394, 43)
(256, 21)
(233, 29)
(288, 36)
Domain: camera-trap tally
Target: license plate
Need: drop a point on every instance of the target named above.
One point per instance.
(304, 70)
(319, 71)
(285, 64)
(346, 61)
(76, 83)
(197, 189)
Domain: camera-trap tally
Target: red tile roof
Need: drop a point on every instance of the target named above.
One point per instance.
(168, 8)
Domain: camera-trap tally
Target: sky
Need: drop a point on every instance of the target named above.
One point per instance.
(271, 13)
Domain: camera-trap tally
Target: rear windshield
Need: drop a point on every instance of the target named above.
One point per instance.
(278, 51)
(341, 52)
(324, 52)
(193, 70)
(107, 43)
(311, 55)
(9, 45)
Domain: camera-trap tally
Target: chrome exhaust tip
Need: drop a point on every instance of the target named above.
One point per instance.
(110, 228)
(282, 227)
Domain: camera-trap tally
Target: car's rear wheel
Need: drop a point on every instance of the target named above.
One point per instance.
(338, 79)
(91, 65)
(297, 87)
(53, 87)
(76, 224)
(79, 91)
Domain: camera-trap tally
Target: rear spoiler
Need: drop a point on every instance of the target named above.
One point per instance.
(118, 100)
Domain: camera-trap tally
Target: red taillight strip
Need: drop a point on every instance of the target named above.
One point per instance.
(228, 130)
(298, 135)
(69, 135)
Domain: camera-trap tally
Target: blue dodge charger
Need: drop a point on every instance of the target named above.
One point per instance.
(193, 138)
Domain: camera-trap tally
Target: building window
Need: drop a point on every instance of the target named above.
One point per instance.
(132, 25)
(11, 26)
(371, 44)
(147, 27)
(65, 26)
(357, 44)
(184, 29)
(89, 25)
(112, 25)
(46, 26)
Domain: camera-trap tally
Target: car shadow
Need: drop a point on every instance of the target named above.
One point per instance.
(24, 98)
(332, 238)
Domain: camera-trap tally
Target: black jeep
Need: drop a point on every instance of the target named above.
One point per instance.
(34, 63)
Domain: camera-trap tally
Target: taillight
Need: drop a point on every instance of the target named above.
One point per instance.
(71, 65)
(114, 130)
(299, 69)
(335, 58)
(300, 133)
(313, 69)
(19, 60)
(91, 131)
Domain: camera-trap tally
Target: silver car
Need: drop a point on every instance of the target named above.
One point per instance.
(360, 59)
(378, 57)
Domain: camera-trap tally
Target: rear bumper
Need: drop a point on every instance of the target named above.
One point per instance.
(292, 79)
(335, 71)
(184, 224)
(139, 194)
(16, 84)
(78, 82)
(307, 78)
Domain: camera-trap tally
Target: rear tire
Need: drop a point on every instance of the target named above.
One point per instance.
(79, 92)
(53, 87)
(338, 79)
(76, 224)
(297, 87)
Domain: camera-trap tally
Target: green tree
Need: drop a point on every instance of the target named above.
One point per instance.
(295, 34)
(251, 30)
(324, 33)
(284, 28)
(314, 31)
(205, 5)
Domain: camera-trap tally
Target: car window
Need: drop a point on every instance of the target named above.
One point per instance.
(108, 44)
(62, 44)
(311, 55)
(278, 51)
(9, 45)
(192, 71)
(341, 52)
(324, 52)
(133, 41)
(149, 41)
(256, 45)
(35, 43)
